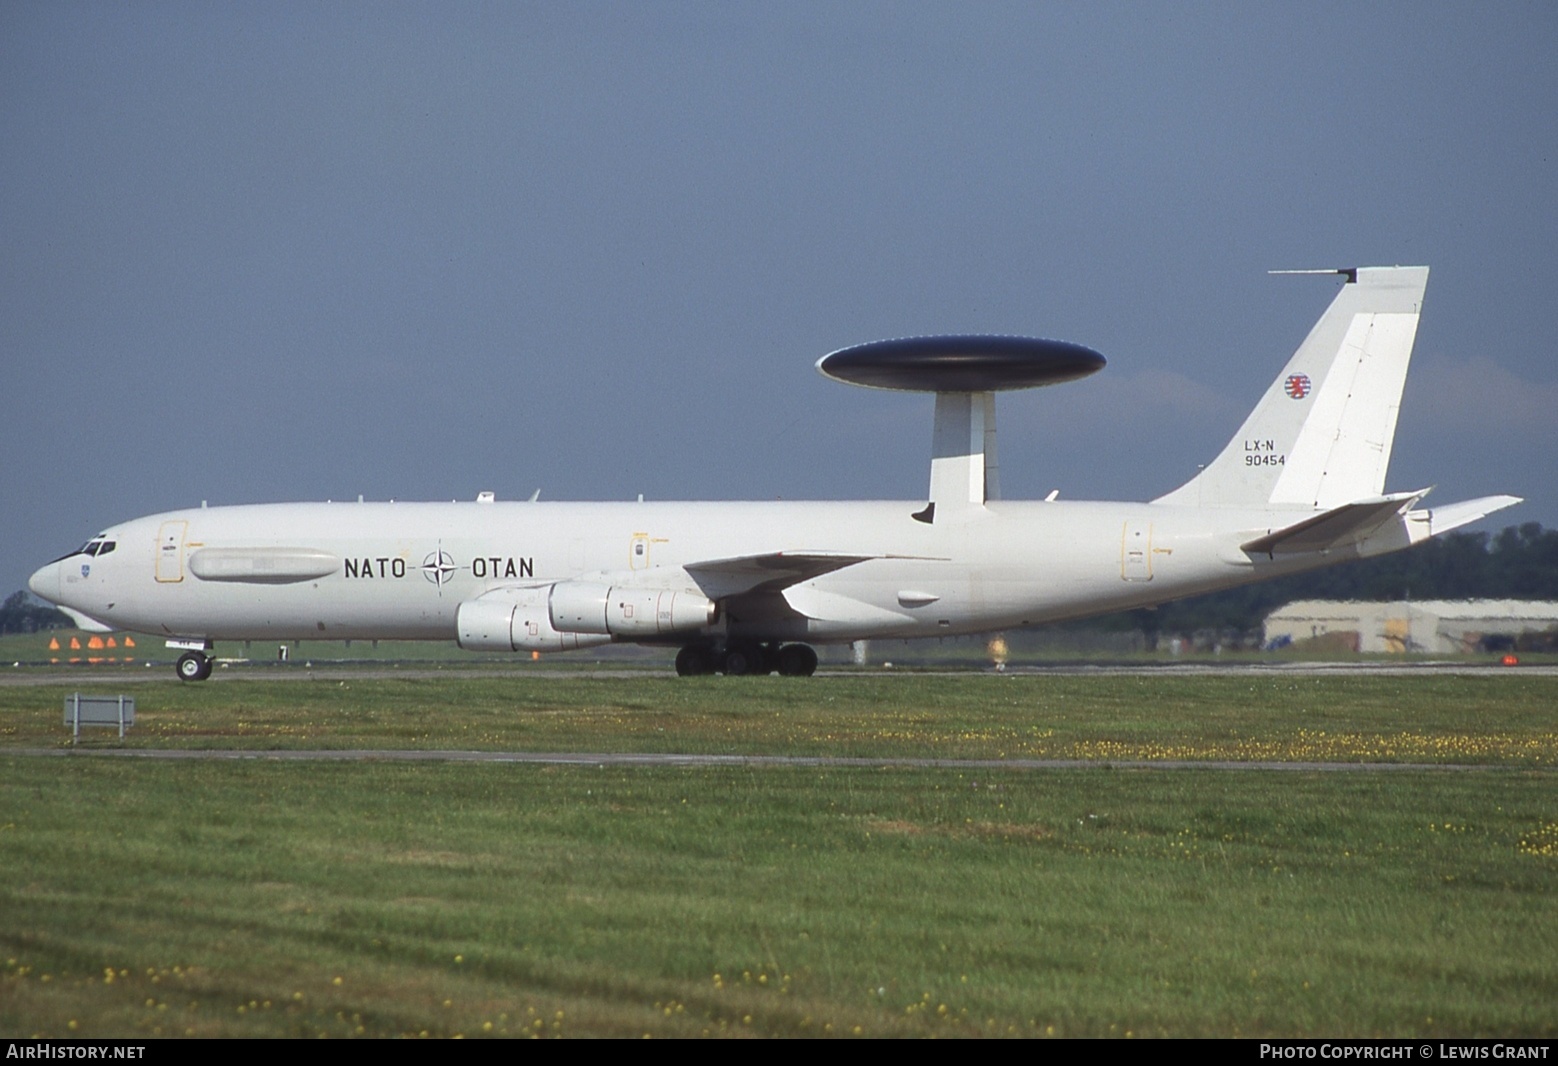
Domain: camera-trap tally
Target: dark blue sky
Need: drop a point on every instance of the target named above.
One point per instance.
(260, 252)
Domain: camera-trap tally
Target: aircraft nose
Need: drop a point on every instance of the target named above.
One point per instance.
(45, 582)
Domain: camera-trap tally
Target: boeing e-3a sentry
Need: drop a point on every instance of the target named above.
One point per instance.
(744, 588)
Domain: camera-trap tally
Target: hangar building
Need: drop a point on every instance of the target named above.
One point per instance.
(1431, 626)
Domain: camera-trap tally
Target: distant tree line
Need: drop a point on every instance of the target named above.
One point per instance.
(22, 614)
(1518, 563)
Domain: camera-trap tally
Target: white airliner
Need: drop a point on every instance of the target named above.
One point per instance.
(748, 587)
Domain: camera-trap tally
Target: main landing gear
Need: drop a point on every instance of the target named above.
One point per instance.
(745, 658)
(193, 666)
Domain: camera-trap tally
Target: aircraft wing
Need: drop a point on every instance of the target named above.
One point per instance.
(1347, 524)
(770, 572)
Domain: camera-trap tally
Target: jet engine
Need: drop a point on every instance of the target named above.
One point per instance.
(577, 614)
(515, 620)
(637, 614)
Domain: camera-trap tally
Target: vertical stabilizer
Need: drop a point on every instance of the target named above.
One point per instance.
(1321, 435)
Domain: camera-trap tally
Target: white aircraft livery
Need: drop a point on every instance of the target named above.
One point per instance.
(747, 588)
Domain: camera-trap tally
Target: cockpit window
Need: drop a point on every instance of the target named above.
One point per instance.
(96, 546)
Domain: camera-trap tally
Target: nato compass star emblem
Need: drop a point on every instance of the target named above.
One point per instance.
(439, 568)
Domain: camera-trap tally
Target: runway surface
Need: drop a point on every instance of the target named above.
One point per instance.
(26, 675)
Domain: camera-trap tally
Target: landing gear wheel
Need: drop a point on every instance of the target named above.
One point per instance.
(743, 660)
(193, 666)
(797, 660)
(694, 660)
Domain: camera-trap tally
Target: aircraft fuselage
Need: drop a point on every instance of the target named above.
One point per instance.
(401, 570)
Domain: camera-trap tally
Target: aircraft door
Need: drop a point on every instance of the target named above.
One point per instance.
(1136, 551)
(638, 552)
(170, 551)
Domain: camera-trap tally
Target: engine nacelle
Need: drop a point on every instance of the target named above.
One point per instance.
(632, 613)
(515, 620)
(577, 614)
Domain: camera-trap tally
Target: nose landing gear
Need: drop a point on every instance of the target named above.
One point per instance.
(193, 666)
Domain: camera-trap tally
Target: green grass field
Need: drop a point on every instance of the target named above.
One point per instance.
(1499, 719)
(266, 898)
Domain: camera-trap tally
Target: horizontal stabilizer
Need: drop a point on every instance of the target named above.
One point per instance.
(1454, 515)
(770, 572)
(1339, 526)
